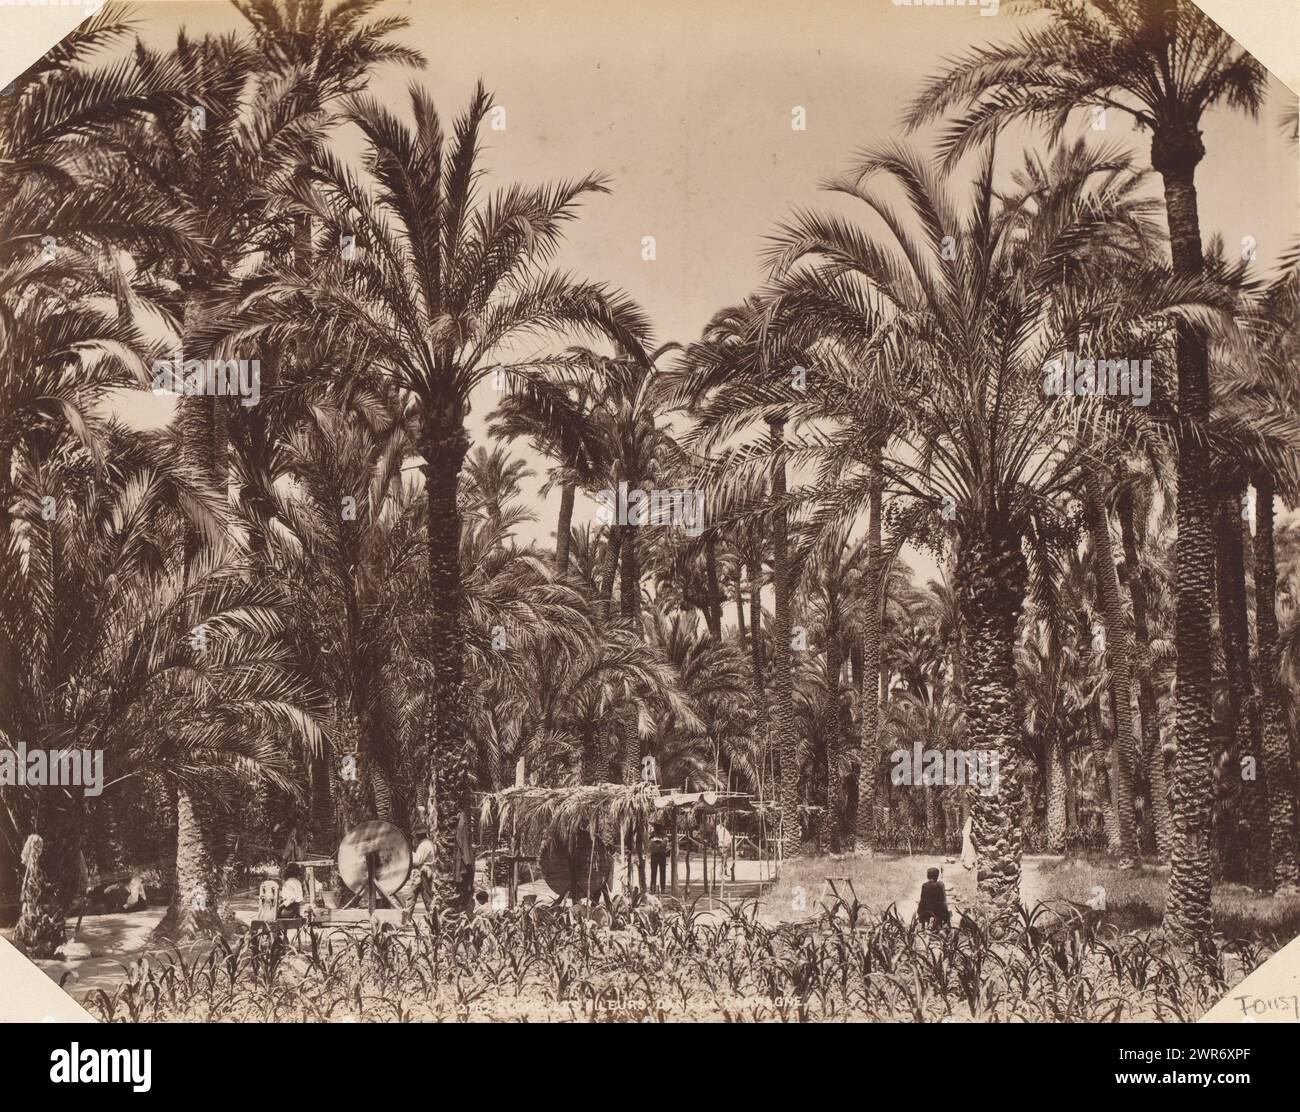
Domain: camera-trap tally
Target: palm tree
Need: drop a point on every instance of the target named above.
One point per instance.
(347, 534)
(492, 481)
(62, 348)
(609, 435)
(1132, 507)
(118, 646)
(1273, 327)
(561, 423)
(834, 568)
(1099, 190)
(964, 329)
(232, 174)
(713, 742)
(1165, 64)
(332, 46)
(745, 376)
(444, 281)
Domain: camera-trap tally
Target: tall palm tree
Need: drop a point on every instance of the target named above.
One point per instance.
(445, 281)
(964, 333)
(1132, 507)
(1096, 188)
(745, 375)
(348, 536)
(834, 569)
(1163, 63)
(102, 616)
(560, 424)
(1273, 327)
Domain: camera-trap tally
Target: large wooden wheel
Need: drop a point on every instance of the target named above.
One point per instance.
(569, 869)
(393, 860)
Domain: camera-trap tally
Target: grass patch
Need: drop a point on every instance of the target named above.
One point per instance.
(1135, 898)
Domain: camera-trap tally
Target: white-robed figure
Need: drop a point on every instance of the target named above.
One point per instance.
(967, 845)
(727, 849)
(422, 868)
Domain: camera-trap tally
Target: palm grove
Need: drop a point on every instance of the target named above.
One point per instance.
(314, 610)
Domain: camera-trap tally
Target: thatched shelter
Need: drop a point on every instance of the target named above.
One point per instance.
(578, 830)
(540, 815)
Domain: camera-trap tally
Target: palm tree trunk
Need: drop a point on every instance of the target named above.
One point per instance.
(852, 782)
(1151, 744)
(1234, 633)
(564, 528)
(1071, 795)
(595, 762)
(1057, 793)
(1101, 754)
(324, 826)
(448, 750)
(713, 608)
(205, 438)
(869, 764)
(991, 575)
(194, 910)
(1119, 651)
(40, 931)
(630, 607)
(756, 628)
(1174, 155)
(782, 680)
(613, 541)
(1278, 772)
(740, 610)
(832, 746)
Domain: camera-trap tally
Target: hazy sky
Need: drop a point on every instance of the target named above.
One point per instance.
(688, 107)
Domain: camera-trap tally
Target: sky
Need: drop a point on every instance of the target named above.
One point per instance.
(688, 107)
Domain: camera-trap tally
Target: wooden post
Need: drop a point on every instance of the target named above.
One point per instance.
(514, 860)
(492, 859)
(521, 775)
(672, 813)
(640, 855)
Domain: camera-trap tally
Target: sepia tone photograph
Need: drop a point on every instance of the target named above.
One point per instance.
(650, 513)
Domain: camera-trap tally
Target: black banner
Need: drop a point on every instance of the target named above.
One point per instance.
(339, 1060)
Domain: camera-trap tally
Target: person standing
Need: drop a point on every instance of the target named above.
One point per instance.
(422, 862)
(727, 849)
(658, 858)
(967, 845)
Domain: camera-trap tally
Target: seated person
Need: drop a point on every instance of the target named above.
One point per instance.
(291, 895)
(933, 908)
(136, 896)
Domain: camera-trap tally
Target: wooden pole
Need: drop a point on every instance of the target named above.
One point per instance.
(492, 859)
(514, 859)
(640, 855)
(672, 812)
(704, 838)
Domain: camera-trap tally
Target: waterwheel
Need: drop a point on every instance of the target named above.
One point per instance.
(568, 868)
(391, 854)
